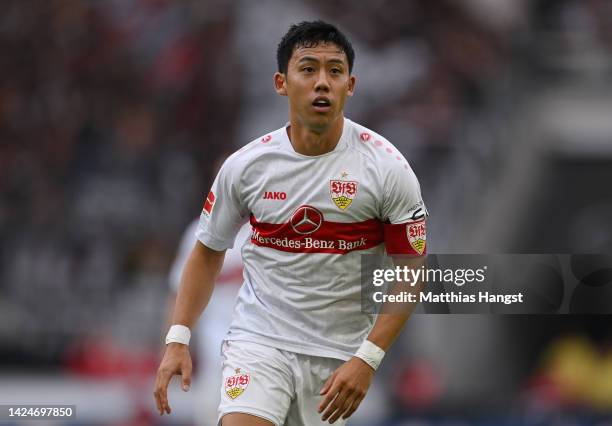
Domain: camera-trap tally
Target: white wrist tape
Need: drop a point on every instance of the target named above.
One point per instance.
(178, 334)
(370, 354)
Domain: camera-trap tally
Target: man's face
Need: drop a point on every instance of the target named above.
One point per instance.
(317, 83)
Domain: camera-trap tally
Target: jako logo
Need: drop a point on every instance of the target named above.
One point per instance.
(268, 195)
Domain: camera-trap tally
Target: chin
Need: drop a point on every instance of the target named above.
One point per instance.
(319, 122)
(320, 125)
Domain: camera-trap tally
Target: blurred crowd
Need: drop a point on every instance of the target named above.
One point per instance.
(114, 115)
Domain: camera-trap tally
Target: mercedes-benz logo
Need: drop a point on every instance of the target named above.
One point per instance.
(306, 220)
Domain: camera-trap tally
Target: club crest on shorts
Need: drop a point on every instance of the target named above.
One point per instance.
(235, 385)
(417, 236)
(342, 192)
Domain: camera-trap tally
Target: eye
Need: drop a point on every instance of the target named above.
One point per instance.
(308, 69)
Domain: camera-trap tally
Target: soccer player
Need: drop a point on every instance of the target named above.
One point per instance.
(319, 193)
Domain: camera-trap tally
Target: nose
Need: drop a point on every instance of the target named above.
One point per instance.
(322, 84)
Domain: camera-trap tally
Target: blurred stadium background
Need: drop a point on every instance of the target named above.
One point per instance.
(113, 114)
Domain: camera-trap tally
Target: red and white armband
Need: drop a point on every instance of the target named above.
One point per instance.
(406, 238)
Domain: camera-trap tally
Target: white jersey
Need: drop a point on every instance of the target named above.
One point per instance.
(312, 218)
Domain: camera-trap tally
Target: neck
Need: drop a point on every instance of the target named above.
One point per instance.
(307, 141)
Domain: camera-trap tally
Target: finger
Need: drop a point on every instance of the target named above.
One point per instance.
(157, 394)
(186, 370)
(327, 384)
(354, 407)
(157, 401)
(164, 380)
(336, 406)
(330, 409)
(166, 401)
(348, 402)
(329, 396)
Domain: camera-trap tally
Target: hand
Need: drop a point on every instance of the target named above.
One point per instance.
(346, 387)
(176, 361)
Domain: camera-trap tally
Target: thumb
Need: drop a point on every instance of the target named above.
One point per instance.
(327, 385)
(186, 378)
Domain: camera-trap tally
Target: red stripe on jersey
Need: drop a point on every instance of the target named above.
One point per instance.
(406, 238)
(211, 197)
(329, 237)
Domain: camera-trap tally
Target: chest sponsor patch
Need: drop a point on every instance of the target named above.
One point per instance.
(342, 192)
(235, 385)
(307, 231)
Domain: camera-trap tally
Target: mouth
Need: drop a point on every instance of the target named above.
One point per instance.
(321, 104)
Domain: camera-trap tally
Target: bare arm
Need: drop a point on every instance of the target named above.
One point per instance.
(197, 283)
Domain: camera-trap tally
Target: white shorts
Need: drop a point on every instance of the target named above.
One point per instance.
(280, 386)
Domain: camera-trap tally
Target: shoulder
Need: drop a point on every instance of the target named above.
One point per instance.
(378, 149)
(258, 147)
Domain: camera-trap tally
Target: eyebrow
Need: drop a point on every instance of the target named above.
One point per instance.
(313, 59)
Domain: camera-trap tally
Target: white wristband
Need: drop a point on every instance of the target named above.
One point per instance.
(370, 354)
(178, 334)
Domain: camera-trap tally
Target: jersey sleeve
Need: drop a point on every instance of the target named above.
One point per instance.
(404, 212)
(223, 212)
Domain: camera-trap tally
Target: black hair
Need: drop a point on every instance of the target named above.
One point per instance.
(310, 34)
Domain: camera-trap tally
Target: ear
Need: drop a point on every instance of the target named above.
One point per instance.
(280, 84)
(351, 85)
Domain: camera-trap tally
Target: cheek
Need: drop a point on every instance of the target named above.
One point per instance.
(343, 93)
(297, 90)
(344, 88)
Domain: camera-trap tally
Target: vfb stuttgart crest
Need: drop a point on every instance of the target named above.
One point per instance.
(342, 192)
(236, 384)
(417, 236)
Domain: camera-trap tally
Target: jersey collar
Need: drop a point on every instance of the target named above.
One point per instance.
(340, 146)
